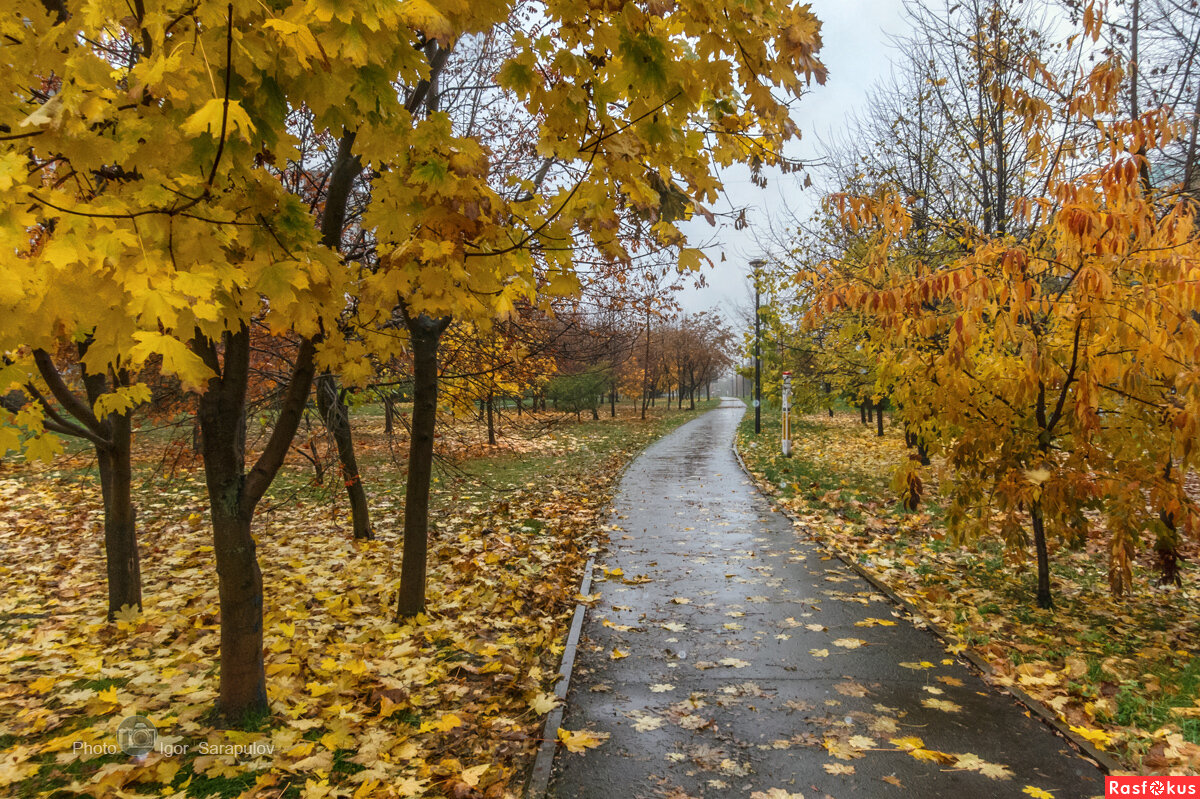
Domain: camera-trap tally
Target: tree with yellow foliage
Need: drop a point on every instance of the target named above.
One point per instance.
(136, 152)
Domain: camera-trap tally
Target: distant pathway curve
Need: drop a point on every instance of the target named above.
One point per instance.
(728, 657)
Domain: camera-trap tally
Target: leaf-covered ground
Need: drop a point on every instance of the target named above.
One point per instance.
(448, 705)
(1122, 673)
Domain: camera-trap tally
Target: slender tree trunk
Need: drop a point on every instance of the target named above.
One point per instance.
(646, 398)
(491, 419)
(222, 414)
(1166, 543)
(233, 495)
(862, 411)
(612, 400)
(879, 417)
(1044, 599)
(330, 403)
(113, 445)
(1135, 69)
(318, 466)
(389, 413)
(336, 416)
(425, 335)
(120, 530)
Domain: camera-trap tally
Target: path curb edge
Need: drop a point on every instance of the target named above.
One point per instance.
(543, 762)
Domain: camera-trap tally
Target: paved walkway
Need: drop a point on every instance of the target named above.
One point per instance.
(728, 657)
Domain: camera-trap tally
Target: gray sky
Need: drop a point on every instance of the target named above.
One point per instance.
(857, 53)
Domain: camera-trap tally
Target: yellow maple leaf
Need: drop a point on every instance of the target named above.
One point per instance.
(1037, 793)
(128, 614)
(849, 643)
(444, 724)
(1098, 737)
(207, 119)
(543, 703)
(908, 742)
(471, 776)
(43, 684)
(944, 705)
(581, 740)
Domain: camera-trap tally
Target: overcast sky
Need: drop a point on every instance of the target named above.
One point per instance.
(857, 52)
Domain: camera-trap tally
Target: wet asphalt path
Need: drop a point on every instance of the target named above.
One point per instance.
(750, 664)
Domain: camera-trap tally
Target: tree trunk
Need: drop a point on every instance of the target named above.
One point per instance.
(243, 690)
(233, 495)
(336, 416)
(243, 680)
(491, 419)
(862, 411)
(120, 532)
(1166, 543)
(389, 414)
(612, 401)
(646, 368)
(1044, 599)
(318, 465)
(425, 334)
(879, 417)
(113, 443)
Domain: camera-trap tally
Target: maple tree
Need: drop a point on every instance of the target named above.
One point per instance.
(146, 172)
(346, 688)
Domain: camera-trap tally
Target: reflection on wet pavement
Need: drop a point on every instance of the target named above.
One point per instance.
(727, 657)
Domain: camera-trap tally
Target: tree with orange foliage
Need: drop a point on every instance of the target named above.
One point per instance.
(1054, 365)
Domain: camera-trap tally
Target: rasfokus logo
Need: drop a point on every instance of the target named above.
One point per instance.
(1152, 786)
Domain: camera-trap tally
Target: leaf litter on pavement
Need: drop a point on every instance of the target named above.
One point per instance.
(1122, 674)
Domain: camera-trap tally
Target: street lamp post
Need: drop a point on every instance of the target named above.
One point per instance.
(757, 264)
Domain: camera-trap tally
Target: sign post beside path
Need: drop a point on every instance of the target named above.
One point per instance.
(787, 406)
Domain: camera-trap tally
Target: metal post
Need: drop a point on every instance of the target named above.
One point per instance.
(757, 263)
(787, 421)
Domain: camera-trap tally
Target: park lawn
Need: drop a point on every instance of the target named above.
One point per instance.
(1124, 674)
(449, 704)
